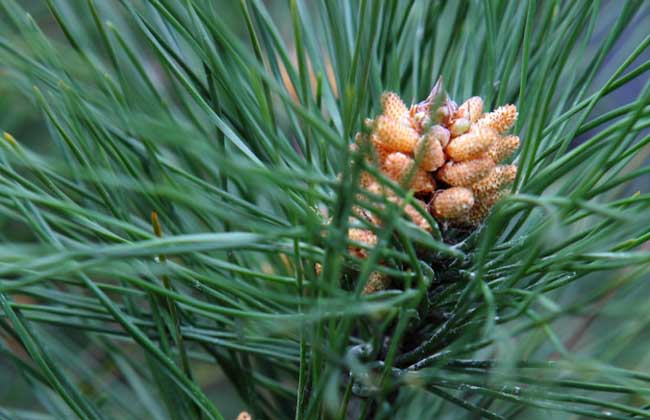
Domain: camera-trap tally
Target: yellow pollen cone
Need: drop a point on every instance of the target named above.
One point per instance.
(471, 145)
(464, 174)
(452, 203)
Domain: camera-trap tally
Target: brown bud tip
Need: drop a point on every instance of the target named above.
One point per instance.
(503, 148)
(459, 126)
(395, 135)
(376, 283)
(472, 144)
(452, 203)
(500, 119)
(464, 174)
(498, 177)
(429, 153)
(363, 236)
(393, 106)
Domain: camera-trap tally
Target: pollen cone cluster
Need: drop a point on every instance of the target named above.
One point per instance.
(450, 156)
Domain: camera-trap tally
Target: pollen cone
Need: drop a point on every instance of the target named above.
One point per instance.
(452, 203)
(464, 174)
(393, 106)
(429, 152)
(395, 135)
(471, 109)
(495, 180)
(376, 283)
(471, 145)
(500, 119)
(503, 148)
(398, 167)
(363, 236)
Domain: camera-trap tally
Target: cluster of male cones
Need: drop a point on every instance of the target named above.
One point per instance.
(450, 156)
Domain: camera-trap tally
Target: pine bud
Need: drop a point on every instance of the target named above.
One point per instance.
(429, 152)
(503, 148)
(471, 145)
(500, 119)
(393, 106)
(452, 203)
(464, 174)
(394, 135)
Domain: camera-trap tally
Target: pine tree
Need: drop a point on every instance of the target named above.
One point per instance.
(200, 198)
